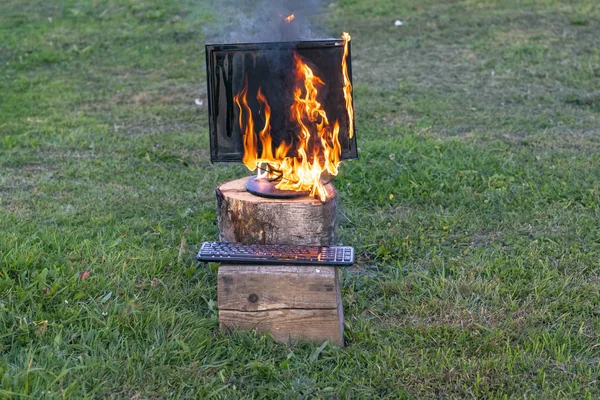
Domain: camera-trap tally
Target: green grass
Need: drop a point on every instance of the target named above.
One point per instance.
(474, 207)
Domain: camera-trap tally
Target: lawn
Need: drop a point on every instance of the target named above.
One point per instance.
(474, 207)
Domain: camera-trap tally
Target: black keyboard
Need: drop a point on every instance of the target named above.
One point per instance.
(276, 254)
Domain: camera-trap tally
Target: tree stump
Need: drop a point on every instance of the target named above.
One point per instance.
(291, 302)
(246, 218)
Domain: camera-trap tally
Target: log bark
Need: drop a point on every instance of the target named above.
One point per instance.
(246, 218)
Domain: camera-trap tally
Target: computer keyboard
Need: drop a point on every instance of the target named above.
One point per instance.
(276, 254)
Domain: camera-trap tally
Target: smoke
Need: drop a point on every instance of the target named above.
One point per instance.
(243, 21)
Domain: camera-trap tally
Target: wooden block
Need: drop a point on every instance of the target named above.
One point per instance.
(288, 325)
(291, 302)
(246, 218)
(259, 288)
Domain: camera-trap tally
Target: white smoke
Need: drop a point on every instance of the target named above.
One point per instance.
(245, 21)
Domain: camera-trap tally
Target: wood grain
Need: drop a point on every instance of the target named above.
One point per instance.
(246, 218)
(287, 325)
(258, 288)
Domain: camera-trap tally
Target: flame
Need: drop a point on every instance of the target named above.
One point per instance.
(348, 86)
(289, 18)
(317, 149)
(250, 147)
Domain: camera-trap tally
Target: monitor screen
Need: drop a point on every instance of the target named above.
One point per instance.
(246, 80)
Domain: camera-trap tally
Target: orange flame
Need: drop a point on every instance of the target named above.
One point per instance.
(318, 148)
(289, 18)
(250, 147)
(348, 86)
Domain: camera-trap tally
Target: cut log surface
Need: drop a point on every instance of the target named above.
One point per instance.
(246, 218)
(288, 324)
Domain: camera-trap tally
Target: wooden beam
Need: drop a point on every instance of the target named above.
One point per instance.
(287, 325)
(259, 288)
